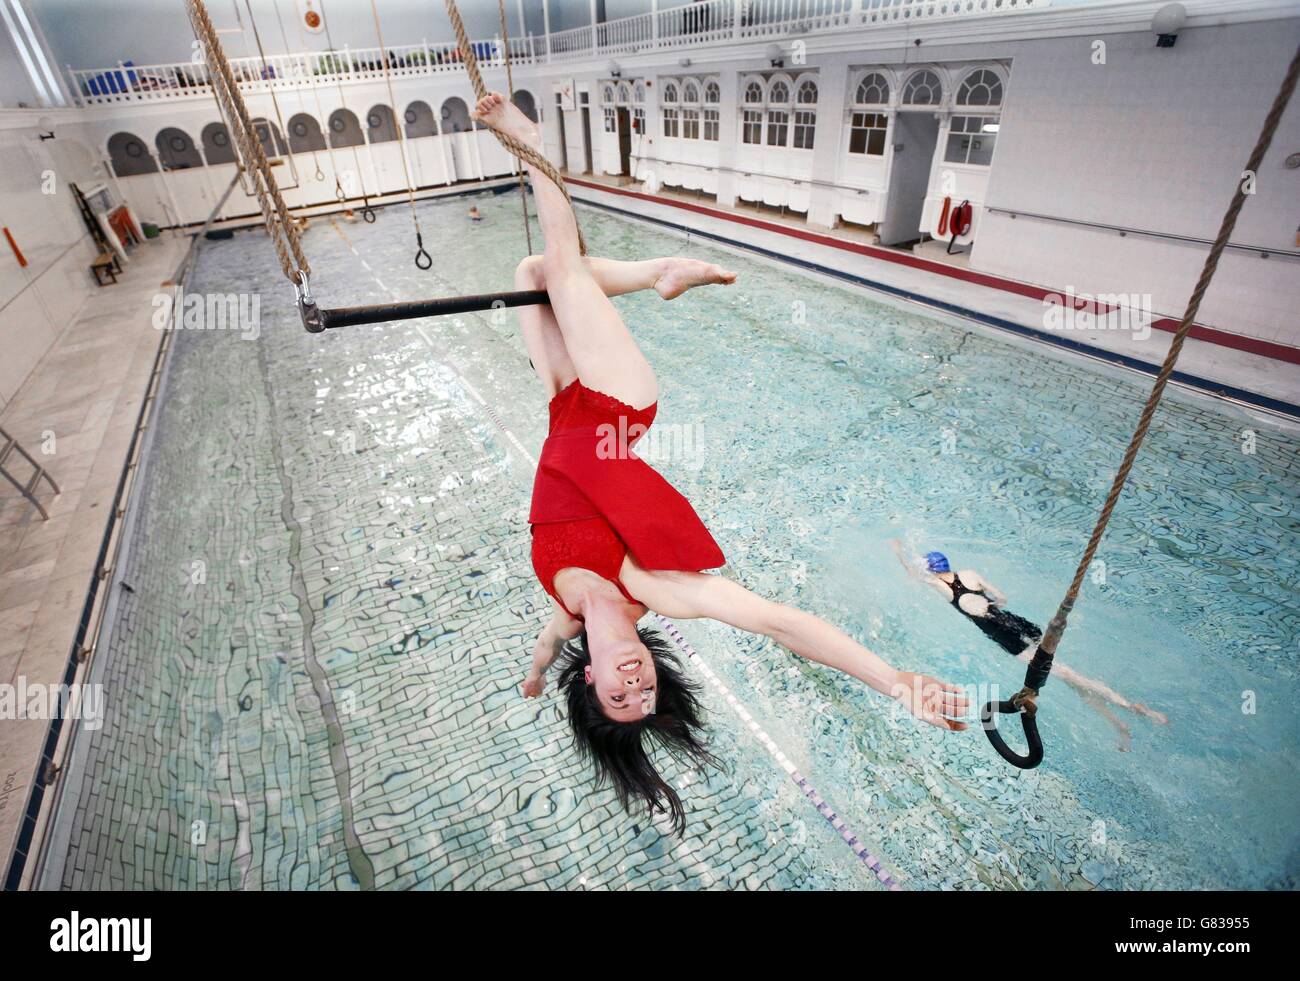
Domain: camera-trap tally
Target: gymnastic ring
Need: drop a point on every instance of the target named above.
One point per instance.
(368, 213)
(422, 254)
(988, 718)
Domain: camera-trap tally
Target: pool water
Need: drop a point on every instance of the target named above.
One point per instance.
(312, 682)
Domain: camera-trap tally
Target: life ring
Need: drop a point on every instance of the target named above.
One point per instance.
(943, 217)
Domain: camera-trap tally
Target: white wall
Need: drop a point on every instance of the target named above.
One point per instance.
(1154, 139)
(38, 302)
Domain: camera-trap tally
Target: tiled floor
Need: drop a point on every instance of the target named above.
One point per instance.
(75, 414)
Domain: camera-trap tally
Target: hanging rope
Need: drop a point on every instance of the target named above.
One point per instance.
(268, 76)
(279, 222)
(1025, 700)
(510, 85)
(525, 153)
(302, 99)
(422, 258)
(367, 212)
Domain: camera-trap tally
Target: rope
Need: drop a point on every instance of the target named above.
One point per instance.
(510, 84)
(1041, 665)
(302, 99)
(279, 222)
(524, 152)
(422, 258)
(270, 84)
(367, 212)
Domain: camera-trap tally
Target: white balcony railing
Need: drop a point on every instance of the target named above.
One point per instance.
(685, 26)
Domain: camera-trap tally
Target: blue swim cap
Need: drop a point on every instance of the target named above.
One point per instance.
(936, 562)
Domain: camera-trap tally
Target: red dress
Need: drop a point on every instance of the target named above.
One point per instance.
(594, 500)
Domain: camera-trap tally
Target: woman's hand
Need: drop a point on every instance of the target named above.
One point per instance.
(533, 685)
(930, 700)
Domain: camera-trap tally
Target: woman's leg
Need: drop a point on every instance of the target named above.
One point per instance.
(669, 276)
(601, 350)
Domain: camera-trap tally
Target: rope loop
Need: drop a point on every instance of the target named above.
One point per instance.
(422, 258)
(368, 213)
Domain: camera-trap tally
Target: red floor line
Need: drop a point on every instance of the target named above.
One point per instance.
(1211, 335)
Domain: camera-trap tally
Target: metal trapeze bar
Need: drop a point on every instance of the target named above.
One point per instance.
(317, 319)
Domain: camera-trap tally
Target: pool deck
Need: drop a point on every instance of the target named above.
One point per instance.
(1262, 377)
(86, 391)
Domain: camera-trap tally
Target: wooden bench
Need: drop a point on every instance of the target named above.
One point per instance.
(105, 264)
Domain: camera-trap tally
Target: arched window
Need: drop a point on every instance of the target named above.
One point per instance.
(455, 116)
(420, 121)
(778, 112)
(624, 94)
(176, 150)
(712, 96)
(638, 93)
(670, 92)
(344, 129)
(304, 134)
(380, 125)
(980, 88)
(923, 89)
(526, 103)
(129, 156)
(873, 90)
(216, 144)
(754, 94)
(607, 94)
(804, 133)
(690, 93)
(268, 134)
(779, 94)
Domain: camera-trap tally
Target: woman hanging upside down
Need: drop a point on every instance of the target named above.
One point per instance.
(613, 540)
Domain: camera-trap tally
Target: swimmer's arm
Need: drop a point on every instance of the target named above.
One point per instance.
(916, 572)
(558, 631)
(975, 581)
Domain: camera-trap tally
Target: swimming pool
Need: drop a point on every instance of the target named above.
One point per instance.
(312, 679)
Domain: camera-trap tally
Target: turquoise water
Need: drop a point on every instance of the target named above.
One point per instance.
(334, 705)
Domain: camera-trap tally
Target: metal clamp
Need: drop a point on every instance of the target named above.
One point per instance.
(307, 308)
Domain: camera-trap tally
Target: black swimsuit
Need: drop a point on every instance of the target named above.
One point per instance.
(1010, 632)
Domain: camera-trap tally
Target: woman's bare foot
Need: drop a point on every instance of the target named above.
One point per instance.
(502, 115)
(680, 275)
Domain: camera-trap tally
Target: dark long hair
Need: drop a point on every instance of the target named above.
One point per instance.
(617, 749)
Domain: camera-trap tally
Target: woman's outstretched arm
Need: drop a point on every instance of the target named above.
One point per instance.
(560, 629)
(690, 595)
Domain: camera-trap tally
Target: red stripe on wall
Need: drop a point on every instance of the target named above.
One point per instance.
(1211, 335)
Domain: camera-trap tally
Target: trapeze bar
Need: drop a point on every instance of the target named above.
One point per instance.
(317, 319)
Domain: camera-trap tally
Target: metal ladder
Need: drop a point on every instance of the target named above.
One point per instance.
(10, 445)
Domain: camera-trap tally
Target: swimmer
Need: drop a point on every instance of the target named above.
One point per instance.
(612, 540)
(474, 213)
(985, 605)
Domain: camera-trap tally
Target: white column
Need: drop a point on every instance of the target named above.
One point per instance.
(594, 46)
(728, 134)
(546, 26)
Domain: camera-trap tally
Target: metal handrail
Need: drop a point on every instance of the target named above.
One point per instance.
(1263, 251)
